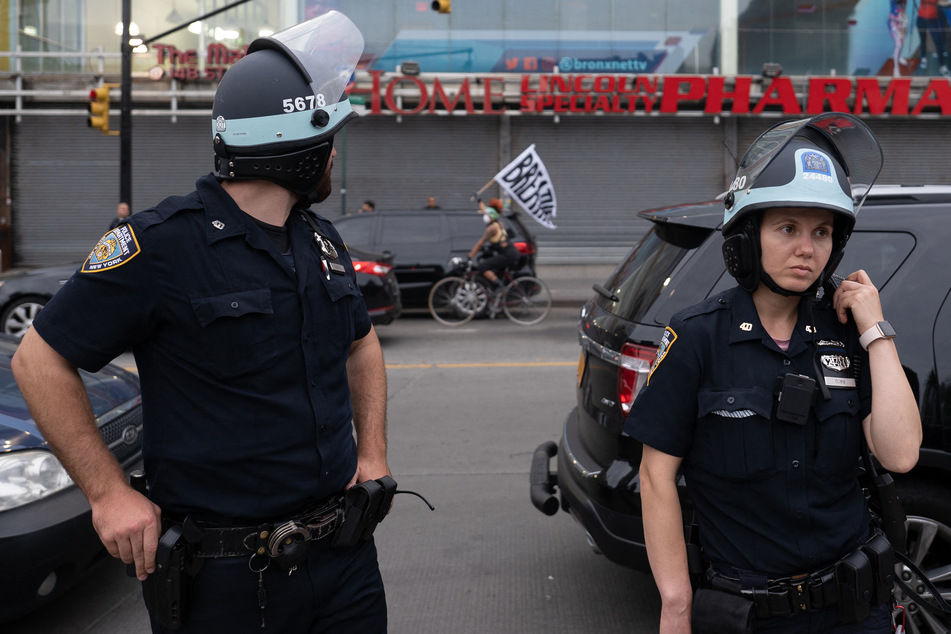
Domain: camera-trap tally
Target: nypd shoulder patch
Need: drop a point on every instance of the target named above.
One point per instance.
(114, 249)
(665, 343)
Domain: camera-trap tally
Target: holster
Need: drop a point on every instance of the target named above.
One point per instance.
(364, 506)
(167, 590)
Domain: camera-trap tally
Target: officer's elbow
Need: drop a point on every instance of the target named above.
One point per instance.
(902, 462)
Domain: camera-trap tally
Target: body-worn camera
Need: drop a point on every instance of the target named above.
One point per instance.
(796, 395)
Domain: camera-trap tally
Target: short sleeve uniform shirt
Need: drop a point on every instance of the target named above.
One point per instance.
(241, 354)
(771, 497)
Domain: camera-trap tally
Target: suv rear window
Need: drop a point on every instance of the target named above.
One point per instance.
(642, 276)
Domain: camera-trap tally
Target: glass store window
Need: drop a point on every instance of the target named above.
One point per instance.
(51, 26)
(538, 36)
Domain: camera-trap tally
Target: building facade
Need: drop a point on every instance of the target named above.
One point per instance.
(631, 104)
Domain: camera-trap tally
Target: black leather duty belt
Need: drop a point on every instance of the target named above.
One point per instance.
(783, 597)
(211, 541)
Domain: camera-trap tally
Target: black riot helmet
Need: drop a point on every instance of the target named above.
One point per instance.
(277, 109)
(829, 161)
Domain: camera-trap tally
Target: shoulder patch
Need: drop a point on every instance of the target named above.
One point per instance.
(665, 343)
(114, 249)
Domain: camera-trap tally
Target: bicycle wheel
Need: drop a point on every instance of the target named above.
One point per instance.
(453, 301)
(526, 301)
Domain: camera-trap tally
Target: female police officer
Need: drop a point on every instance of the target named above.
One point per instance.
(763, 396)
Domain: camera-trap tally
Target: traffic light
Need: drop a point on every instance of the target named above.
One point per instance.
(442, 6)
(99, 108)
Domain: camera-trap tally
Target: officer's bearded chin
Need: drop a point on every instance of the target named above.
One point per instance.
(320, 193)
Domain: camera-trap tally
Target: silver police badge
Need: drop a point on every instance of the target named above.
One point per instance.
(836, 362)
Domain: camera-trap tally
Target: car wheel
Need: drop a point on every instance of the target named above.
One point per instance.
(19, 315)
(928, 508)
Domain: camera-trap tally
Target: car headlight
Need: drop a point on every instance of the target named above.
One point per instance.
(28, 476)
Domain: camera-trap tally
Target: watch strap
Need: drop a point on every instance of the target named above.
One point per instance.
(881, 330)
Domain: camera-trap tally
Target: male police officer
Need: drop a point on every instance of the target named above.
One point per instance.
(257, 362)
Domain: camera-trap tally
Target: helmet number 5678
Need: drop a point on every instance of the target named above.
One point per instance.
(304, 103)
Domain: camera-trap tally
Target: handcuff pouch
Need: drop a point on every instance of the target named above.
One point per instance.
(853, 577)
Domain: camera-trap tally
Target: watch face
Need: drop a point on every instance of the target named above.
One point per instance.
(887, 329)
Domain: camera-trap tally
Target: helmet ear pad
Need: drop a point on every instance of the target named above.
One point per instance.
(299, 171)
(741, 254)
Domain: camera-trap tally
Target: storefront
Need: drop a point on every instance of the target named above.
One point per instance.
(642, 122)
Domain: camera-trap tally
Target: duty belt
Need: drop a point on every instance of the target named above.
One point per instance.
(783, 597)
(270, 538)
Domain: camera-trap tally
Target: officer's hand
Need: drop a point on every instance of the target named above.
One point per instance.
(129, 525)
(370, 470)
(858, 294)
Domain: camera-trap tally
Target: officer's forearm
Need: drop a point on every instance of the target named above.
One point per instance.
(664, 532)
(58, 403)
(367, 377)
(894, 426)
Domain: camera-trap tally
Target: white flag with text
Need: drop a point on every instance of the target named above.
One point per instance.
(527, 182)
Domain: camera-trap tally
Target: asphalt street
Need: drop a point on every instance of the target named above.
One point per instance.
(467, 407)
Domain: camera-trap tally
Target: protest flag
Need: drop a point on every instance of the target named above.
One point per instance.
(526, 181)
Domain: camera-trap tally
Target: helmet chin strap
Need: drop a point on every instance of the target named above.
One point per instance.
(779, 290)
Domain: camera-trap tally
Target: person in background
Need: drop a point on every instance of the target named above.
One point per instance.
(497, 251)
(431, 203)
(930, 21)
(762, 398)
(122, 213)
(263, 383)
(368, 206)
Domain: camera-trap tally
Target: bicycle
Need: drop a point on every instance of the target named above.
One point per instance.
(457, 299)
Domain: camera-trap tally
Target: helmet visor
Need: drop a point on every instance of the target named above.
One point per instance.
(328, 48)
(852, 139)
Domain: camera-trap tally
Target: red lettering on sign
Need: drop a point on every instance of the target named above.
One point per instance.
(785, 96)
(673, 95)
(440, 94)
(868, 91)
(820, 94)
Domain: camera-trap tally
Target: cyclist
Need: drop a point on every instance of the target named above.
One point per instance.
(498, 252)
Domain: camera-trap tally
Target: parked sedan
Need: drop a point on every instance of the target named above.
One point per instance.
(24, 292)
(377, 281)
(47, 542)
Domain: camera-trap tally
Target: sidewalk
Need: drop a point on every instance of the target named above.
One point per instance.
(570, 284)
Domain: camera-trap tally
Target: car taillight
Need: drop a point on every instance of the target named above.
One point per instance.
(525, 248)
(633, 366)
(372, 268)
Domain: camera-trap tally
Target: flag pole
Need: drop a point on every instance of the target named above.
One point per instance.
(484, 187)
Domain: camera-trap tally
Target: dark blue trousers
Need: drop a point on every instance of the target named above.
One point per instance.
(335, 591)
(826, 621)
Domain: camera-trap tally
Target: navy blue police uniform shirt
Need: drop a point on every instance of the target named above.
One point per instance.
(771, 497)
(246, 405)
